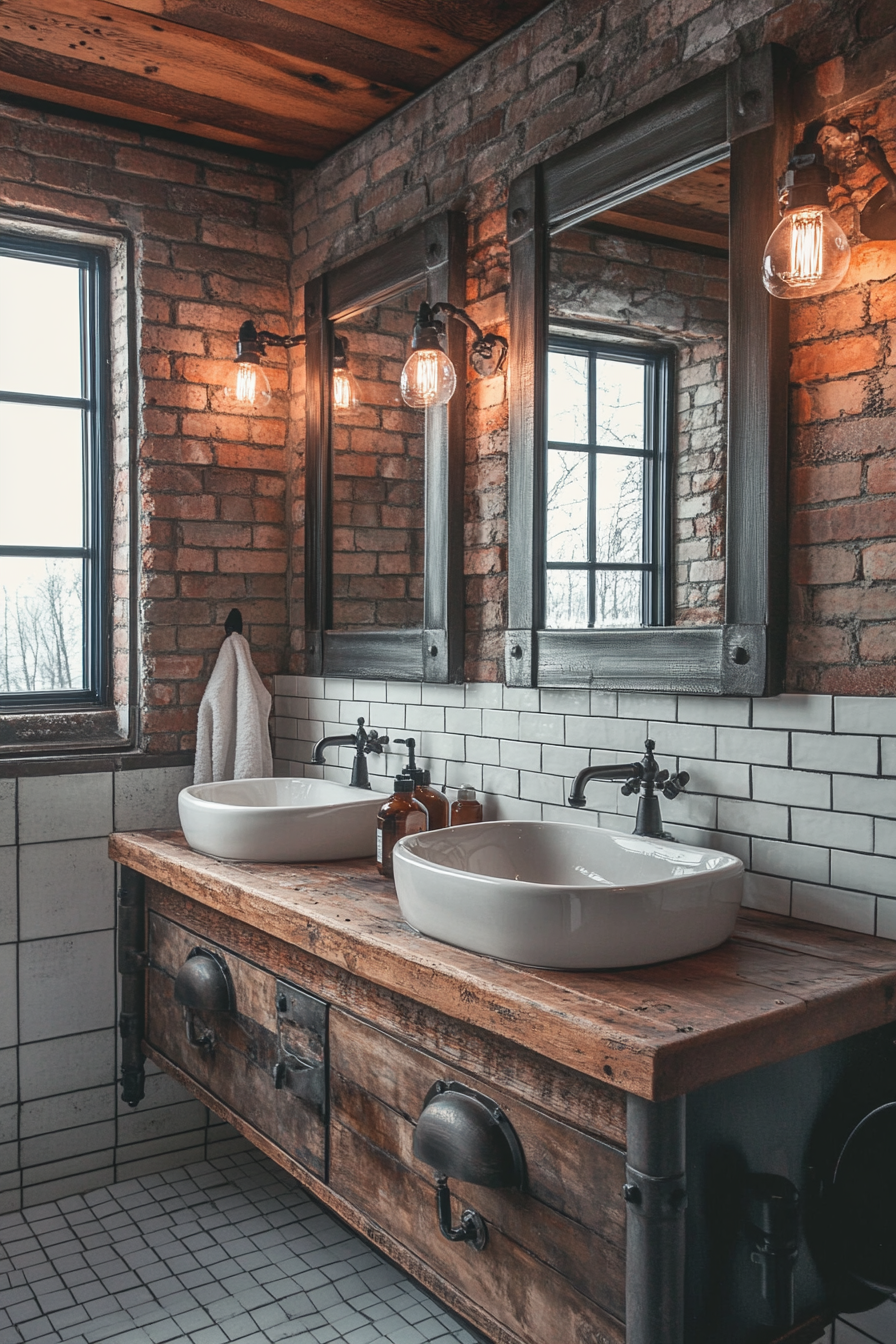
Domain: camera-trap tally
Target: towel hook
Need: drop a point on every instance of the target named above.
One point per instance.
(234, 622)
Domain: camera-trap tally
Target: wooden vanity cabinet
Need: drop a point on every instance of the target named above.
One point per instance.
(554, 1264)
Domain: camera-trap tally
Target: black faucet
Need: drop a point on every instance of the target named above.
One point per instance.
(642, 777)
(363, 742)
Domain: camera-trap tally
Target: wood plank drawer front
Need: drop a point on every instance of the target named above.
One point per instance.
(554, 1266)
(255, 1048)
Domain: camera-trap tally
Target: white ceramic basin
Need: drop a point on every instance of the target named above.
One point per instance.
(556, 894)
(280, 820)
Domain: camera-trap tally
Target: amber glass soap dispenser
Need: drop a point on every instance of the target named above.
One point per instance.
(399, 815)
(466, 807)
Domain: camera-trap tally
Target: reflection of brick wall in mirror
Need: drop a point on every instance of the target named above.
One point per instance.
(678, 294)
(378, 466)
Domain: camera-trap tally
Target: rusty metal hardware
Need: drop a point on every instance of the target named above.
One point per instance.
(204, 985)
(301, 1066)
(465, 1135)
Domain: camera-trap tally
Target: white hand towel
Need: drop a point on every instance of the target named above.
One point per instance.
(232, 739)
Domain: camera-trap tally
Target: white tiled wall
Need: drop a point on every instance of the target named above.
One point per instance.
(801, 787)
(63, 1129)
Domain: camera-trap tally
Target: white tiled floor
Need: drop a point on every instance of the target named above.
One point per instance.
(230, 1250)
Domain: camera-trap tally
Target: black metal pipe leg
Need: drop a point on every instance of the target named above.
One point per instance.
(656, 1198)
(131, 968)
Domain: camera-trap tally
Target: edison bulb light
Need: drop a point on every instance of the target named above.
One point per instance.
(345, 390)
(247, 387)
(428, 379)
(807, 254)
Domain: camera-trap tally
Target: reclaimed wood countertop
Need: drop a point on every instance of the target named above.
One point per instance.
(777, 988)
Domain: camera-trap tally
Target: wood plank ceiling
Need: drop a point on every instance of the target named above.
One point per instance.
(291, 77)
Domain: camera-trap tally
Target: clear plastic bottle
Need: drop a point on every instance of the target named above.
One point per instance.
(399, 815)
(466, 808)
(433, 800)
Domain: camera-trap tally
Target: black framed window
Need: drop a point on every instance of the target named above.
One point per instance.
(606, 484)
(54, 506)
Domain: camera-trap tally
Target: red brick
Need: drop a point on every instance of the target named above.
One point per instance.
(813, 485)
(835, 358)
(823, 564)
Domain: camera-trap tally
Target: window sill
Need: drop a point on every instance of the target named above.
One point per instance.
(34, 734)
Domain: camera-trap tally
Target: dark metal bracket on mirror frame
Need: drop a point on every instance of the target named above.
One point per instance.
(744, 107)
(433, 253)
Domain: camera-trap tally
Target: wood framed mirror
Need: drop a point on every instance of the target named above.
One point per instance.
(635, 285)
(384, 482)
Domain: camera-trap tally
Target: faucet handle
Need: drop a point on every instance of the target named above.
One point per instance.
(375, 742)
(675, 785)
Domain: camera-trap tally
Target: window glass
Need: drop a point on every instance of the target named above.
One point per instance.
(40, 327)
(41, 473)
(52, 512)
(603, 500)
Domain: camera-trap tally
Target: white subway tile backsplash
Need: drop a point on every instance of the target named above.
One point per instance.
(484, 750)
(307, 686)
(791, 786)
(839, 752)
(626, 735)
(484, 694)
(7, 811)
(888, 755)
(65, 1110)
(524, 755)
(808, 863)
(522, 698)
(733, 713)
(424, 718)
(886, 918)
(763, 892)
(692, 809)
(463, 721)
(8, 894)
(460, 773)
(542, 727)
(338, 688)
(8, 996)
(370, 690)
(884, 836)
(51, 1066)
(683, 739)
(877, 797)
(65, 887)
(808, 712)
(502, 808)
(843, 830)
(404, 692)
(725, 778)
(565, 700)
(352, 710)
(755, 745)
(451, 697)
(497, 780)
(500, 723)
(565, 761)
(642, 705)
(864, 872)
(64, 807)
(874, 714)
(66, 985)
(9, 1083)
(830, 905)
(447, 746)
(762, 819)
(541, 788)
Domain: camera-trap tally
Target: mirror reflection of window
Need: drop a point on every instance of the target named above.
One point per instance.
(378, 462)
(606, 446)
(634, 484)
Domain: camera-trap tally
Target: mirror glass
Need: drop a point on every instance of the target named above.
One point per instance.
(636, 410)
(377, 459)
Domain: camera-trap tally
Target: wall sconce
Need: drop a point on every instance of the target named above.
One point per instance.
(248, 384)
(428, 378)
(346, 396)
(808, 252)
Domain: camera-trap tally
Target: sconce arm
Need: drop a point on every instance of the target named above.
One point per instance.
(460, 314)
(489, 350)
(285, 342)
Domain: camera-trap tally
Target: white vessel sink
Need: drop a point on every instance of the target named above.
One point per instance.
(556, 894)
(280, 820)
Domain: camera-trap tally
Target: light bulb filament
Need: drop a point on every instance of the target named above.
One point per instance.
(245, 383)
(806, 248)
(426, 376)
(342, 390)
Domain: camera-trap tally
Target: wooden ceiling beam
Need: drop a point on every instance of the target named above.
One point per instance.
(97, 104)
(160, 104)
(200, 64)
(268, 25)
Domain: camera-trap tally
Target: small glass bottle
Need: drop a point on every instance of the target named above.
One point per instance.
(465, 808)
(399, 815)
(432, 799)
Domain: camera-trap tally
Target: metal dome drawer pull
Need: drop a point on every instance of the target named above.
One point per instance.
(204, 985)
(463, 1134)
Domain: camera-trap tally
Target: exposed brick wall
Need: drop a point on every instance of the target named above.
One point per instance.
(571, 70)
(681, 296)
(378, 477)
(210, 235)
